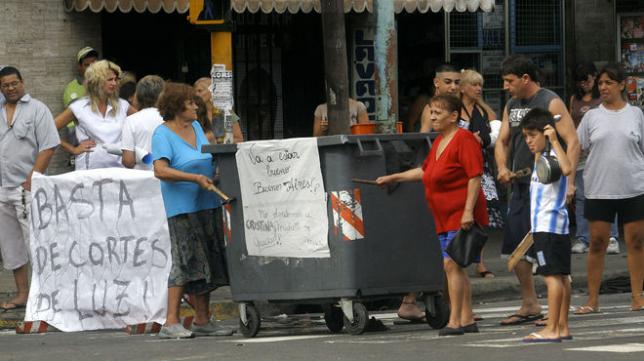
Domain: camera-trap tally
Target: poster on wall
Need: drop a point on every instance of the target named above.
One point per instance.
(631, 55)
(632, 26)
(635, 90)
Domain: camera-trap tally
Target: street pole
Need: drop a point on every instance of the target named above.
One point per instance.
(335, 66)
(386, 49)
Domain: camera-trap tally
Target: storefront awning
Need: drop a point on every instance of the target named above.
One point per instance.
(125, 6)
(410, 6)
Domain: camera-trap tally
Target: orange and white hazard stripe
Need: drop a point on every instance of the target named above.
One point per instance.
(143, 328)
(347, 214)
(35, 327)
(228, 230)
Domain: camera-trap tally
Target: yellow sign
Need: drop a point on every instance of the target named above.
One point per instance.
(206, 12)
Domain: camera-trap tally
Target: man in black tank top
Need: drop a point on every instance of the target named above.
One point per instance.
(512, 154)
(447, 81)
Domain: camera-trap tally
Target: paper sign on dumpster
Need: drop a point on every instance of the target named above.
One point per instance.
(285, 212)
(100, 250)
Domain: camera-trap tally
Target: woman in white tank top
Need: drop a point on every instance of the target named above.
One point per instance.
(100, 116)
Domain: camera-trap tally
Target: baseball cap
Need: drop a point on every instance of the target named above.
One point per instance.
(85, 52)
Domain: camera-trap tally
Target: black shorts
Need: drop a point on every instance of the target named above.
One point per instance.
(518, 222)
(628, 209)
(552, 253)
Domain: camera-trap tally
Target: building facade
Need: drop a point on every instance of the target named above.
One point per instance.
(274, 47)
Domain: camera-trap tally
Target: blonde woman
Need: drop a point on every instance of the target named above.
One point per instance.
(100, 115)
(476, 116)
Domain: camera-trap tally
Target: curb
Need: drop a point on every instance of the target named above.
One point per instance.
(507, 287)
(223, 310)
(6, 324)
(154, 328)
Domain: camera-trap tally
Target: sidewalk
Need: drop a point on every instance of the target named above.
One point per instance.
(503, 286)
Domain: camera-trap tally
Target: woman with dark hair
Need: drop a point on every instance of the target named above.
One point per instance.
(613, 135)
(204, 120)
(451, 174)
(198, 259)
(217, 116)
(586, 97)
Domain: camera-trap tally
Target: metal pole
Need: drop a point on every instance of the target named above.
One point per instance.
(386, 56)
(335, 66)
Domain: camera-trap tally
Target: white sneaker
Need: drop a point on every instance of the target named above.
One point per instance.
(613, 246)
(578, 246)
(175, 331)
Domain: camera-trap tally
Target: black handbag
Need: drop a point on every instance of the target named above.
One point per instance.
(466, 247)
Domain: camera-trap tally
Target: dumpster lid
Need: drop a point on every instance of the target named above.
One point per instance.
(331, 140)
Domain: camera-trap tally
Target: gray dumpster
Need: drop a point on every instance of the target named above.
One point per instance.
(399, 253)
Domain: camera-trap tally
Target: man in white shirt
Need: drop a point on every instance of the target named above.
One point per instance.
(138, 127)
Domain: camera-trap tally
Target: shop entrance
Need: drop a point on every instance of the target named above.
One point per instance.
(161, 44)
(421, 48)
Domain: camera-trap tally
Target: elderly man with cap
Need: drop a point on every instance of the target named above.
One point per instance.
(75, 89)
(28, 138)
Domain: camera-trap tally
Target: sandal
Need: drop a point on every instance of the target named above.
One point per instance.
(586, 310)
(536, 337)
(486, 274)
(542, 322)
(417, 318)
(520, 319)
(10, 306)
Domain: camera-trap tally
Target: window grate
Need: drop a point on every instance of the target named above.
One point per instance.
(538, 22)
(463, 29)
(258, 77)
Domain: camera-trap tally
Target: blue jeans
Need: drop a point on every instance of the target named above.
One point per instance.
(582, 223)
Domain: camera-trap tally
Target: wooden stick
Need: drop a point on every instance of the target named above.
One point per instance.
(221, 194)
(365, 181)
(520, 251)
(521, 173)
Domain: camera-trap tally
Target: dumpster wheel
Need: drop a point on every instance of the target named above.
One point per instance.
(437, 311)
(253, 322)
(333, 318)
(360, 318)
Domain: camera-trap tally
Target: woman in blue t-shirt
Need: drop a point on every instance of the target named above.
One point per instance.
(198, 258)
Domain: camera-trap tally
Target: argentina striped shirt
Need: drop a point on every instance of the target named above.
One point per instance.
(548, 211)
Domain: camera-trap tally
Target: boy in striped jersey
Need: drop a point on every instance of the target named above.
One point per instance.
(549, 220)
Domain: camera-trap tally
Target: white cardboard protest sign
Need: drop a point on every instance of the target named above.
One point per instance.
(284, 203)
(100, 250)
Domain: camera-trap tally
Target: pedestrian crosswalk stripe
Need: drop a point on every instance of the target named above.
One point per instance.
(278, 339)
(623, 348)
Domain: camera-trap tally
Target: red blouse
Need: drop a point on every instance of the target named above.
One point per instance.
(446, 181)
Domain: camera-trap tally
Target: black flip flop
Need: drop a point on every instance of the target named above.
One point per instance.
(412, 321)
(485, 273)
(521, 319)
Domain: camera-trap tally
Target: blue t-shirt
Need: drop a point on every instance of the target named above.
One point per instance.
(184, 197)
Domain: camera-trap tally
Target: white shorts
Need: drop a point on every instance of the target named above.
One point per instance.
(15, 204)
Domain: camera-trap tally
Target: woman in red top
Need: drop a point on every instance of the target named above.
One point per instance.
(451, 174)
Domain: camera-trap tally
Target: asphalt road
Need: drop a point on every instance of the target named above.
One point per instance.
(614, 334)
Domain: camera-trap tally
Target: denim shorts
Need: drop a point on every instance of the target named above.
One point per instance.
(445, 238)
